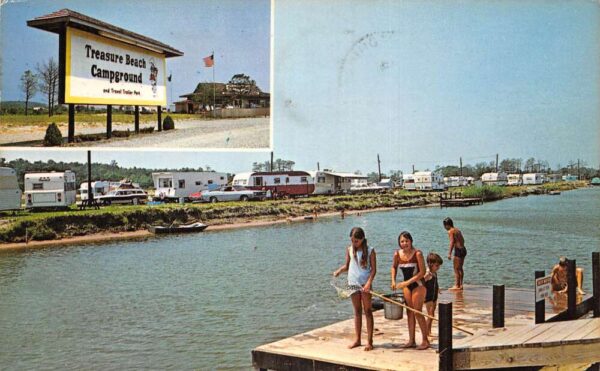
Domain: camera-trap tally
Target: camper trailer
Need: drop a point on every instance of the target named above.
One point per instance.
(499, 179)
(408, 182)
(455, 181)
(10, 193)
(331, 182)
(99, 188)
(53, 189)
(281, 183)
(176, 185)
(515, 179)
(429, 181)
(533, 178)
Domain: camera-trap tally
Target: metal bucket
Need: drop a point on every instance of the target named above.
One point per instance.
(391, 310)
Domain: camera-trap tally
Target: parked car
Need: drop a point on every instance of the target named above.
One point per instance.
(231, 193)
(124, 196)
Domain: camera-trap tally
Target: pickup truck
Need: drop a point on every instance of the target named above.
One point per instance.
(231, 193)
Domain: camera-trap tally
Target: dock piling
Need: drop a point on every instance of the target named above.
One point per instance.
(596, 282)
(571, 289)
(540, 306)
(498, 306)
(445, 336)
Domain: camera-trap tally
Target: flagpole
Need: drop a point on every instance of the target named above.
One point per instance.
(214, 94)
(170, 80)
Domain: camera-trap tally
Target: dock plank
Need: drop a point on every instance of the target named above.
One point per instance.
(544, 344)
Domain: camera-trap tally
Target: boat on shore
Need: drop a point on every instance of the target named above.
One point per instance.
(554, 193)
(183, 228)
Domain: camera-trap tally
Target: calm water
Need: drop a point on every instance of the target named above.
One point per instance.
(204, 301)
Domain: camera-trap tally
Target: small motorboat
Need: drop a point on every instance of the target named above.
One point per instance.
(554, 193)
(183, 228)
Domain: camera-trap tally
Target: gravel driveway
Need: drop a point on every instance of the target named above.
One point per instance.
(188, 134)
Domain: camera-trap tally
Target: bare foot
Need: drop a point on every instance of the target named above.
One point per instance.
(410, 344)
(354, 345)
(424, 345)
(454, 288)
(369, 347)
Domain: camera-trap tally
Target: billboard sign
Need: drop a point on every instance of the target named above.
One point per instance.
(100, 70)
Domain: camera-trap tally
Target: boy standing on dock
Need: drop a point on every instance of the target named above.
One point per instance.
(361, 265)
(434, 261)
(457, 243)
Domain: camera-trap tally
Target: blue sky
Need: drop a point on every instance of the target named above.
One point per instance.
(418, 82)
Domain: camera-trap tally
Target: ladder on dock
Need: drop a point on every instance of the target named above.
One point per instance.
(555, 343)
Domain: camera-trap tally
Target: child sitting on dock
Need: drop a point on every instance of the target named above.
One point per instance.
(361, 265)
(410, 261)
(559, 277)
(457, 243)
(434, 261)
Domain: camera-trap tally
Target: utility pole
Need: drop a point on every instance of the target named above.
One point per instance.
(379, 167)
(578, 172)
(496, 162)
(318, 167)
(271, 167)
(461, 174)
(413, 169)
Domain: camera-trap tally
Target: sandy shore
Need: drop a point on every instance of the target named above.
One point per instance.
(192, 134)
(105, 237)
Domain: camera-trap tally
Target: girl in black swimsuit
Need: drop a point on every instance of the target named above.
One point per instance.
(411, 262)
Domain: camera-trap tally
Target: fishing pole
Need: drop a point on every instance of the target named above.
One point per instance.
(382, 297)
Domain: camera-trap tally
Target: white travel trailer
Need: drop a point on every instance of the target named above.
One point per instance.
(515, 179)
(99, 188)
(455, 181)
(50, 189)
(331, 182)
(533, 178)
(429, 181)
(176, 185)
(10, 193)
(500, 179)
(408, 182)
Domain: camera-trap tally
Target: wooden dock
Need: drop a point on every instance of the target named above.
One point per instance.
(453, 199)
(325, 348)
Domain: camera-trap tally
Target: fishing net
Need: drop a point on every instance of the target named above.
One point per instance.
(344, 291)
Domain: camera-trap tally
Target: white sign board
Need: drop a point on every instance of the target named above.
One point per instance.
(100, 70)
(542, 288)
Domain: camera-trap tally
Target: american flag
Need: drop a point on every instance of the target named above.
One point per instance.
(209, 61)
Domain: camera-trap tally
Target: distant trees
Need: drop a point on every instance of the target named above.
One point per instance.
(48, 73)
(29, 82)
(278, 165)
(111, 171)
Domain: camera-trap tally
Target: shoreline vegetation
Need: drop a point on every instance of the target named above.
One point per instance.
(23, 230)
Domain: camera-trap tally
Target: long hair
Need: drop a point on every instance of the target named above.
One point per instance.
(406, 235)
(359, 234)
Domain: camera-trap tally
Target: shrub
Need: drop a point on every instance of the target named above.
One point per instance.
(53, 136)
(168, 123)
(147, 130)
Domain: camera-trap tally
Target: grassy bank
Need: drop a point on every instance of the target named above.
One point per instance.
(39, 226)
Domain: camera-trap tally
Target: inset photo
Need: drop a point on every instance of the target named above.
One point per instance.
(176, 75)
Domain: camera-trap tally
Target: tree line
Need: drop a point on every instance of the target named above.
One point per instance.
(112, 171)
(45, 80)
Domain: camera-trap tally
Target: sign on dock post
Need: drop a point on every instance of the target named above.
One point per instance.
(542, 291)
(542, 288)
